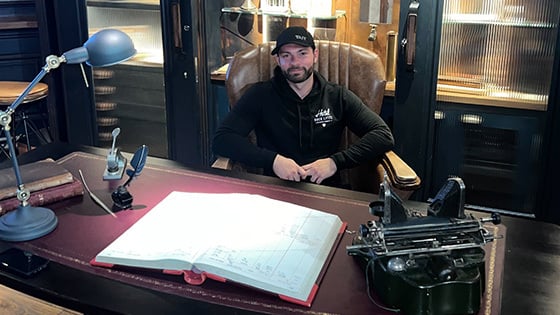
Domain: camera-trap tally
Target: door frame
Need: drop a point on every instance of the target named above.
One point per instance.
(415, 92)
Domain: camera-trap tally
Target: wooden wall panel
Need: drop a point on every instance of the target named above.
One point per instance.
(351, 30)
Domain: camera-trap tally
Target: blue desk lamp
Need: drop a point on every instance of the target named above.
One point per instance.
(104, 48)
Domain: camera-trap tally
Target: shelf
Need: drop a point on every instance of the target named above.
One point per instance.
(456, 94)
(239, 10)
(17, 23)
(492, 19)
(150, 61)
(125, 4)
(445, 96)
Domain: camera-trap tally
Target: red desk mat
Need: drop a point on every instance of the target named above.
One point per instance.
(84, 229)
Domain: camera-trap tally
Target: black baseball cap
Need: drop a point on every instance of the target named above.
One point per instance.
(294, 35)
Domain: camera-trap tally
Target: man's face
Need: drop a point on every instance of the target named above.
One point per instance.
(296, 62)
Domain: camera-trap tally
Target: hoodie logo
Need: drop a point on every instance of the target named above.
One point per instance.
(323, 117)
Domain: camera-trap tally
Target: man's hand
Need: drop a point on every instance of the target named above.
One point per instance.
(287, 169)
(320, 170)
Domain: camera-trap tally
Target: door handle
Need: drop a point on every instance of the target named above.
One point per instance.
(408, 43)
(177, 29)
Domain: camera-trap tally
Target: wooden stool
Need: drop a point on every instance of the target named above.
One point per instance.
(10, 91)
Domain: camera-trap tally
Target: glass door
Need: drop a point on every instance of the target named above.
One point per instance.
(131, 95)
(472, 97)
(498, 53)
(154, 97)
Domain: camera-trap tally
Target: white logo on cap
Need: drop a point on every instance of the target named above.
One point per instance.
(300, 37)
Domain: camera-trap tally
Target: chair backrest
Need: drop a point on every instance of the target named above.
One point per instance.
(358, 69)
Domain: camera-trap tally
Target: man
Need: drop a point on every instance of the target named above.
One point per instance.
(299, 119)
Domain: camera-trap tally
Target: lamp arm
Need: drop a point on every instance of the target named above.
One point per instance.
(22, 193)
(52, 62)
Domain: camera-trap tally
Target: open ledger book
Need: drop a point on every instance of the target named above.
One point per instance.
(260, 242)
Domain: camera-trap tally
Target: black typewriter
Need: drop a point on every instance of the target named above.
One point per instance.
(424, 264)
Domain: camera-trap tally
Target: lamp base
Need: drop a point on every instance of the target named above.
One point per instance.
(27, 223)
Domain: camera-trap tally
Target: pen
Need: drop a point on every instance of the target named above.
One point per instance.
(94, 197)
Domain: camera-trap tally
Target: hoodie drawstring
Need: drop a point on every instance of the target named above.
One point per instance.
(311, 129)
(299, 125)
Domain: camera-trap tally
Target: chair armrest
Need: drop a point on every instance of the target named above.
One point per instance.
(228, 164)
(223, 163)
(400, 174)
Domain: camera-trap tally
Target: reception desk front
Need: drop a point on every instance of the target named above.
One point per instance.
(85, 229)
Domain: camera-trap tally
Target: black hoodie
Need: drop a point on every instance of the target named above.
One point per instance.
(303, 130)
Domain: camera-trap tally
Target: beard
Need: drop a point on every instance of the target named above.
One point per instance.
(298, 77)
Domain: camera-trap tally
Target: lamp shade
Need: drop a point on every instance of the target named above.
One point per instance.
(108, 47)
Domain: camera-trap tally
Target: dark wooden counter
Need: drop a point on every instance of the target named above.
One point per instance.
(530, 286)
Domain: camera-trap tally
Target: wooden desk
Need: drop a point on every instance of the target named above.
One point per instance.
(525, 289)
(15, 302)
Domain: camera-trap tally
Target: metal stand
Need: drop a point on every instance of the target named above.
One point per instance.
(30, 124)
(25, 222)
(24, 129)
(25, 120)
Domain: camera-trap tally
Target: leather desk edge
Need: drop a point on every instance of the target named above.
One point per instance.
(42, 287)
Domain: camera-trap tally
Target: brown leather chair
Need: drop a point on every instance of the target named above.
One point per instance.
(357, 68)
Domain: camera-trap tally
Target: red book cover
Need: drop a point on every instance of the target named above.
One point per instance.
(36, 176)
(45, 196)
